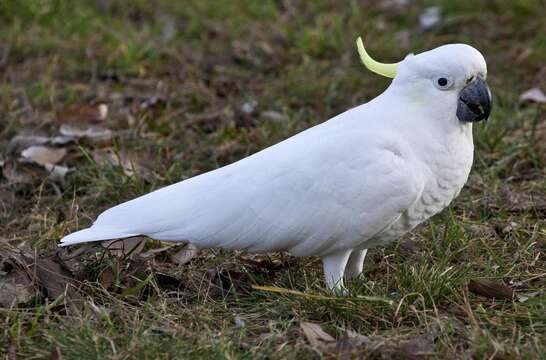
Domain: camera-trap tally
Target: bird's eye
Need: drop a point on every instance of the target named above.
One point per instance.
(470, 79)
(443, 82)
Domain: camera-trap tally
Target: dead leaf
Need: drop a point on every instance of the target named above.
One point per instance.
(56, 354)
(91, 133)
(351, 341)
(356, 346)
(29, 172)
(83, 114)
(525, 201)
(226, 279)
(527, 296)
(49, 274)
(519, 201)
(315, 335)
(57, 173)
(491, 289)
(107, 278)
(393, 4)
(249, 107)
(130, 163)
(154, 252)
(184, 255)
(21, 142)
(44, 155)
(274, 116)
(483, 231)
(151, 102)
(431, 16)
(239, 322)
(16, 172)
(268, 264)
(55, 279)
(407, 246)
(533, 95)
(511, 226)
(11, 351)
(415, 348)
(168, 282)
(16, 288)
(125, 247)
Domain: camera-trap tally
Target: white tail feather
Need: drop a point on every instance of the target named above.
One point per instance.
(93, 234)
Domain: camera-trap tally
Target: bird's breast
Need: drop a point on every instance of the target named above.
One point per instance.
(446, 173)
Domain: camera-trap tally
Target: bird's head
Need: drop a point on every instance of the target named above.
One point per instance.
(453, 75)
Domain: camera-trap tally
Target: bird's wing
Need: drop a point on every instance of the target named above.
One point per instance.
(310, 194)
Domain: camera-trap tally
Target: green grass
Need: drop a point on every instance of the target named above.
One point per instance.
(205, 60)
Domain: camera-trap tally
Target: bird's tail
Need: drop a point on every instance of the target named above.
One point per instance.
(94, 233)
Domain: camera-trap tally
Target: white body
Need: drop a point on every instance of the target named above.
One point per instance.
(356, 181)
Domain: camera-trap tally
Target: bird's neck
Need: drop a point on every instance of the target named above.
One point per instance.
(433, 127)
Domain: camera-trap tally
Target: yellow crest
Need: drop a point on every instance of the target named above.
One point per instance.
(388, 70)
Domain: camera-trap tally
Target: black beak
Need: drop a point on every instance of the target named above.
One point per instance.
(474, 102)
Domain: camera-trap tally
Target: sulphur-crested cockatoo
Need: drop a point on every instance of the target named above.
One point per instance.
(356, 181)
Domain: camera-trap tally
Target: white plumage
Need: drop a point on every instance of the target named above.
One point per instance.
(359, 180)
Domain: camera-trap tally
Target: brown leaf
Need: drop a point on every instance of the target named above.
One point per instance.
(533, 95)
(168, 282)
(274, 116)
(350, 342)
(226, 279)
(130, 163)
(263, 264)
(483, 231)
(519, 201)
(107, 278)
(26, 171)
(57, 173)
(154, 252)
(11, 353)
(21, 142)
(129, 246)
(16, 288)
(56, 354)
(90, 132)
(48, 273)
(491, 289)
(407, 246)
(419, 347)
(430, 16)
(83, 114)
(526, 201)
(44, 155)
(184, 255)
(16, 172)
(415, 348)
(315, 335)
(529, 295)
(55, 279)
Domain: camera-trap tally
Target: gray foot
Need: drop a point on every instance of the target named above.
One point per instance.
(334, 268)
(355, 264)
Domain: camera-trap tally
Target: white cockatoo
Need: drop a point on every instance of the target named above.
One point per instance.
(356, 181)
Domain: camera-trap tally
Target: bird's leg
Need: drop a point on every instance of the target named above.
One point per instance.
(334, 268)
(355, 264)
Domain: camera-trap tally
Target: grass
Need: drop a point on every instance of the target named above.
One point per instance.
(206, 62)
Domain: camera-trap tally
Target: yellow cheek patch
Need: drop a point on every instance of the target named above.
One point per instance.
(388, 70)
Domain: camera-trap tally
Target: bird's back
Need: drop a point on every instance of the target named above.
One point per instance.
(308, 194)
